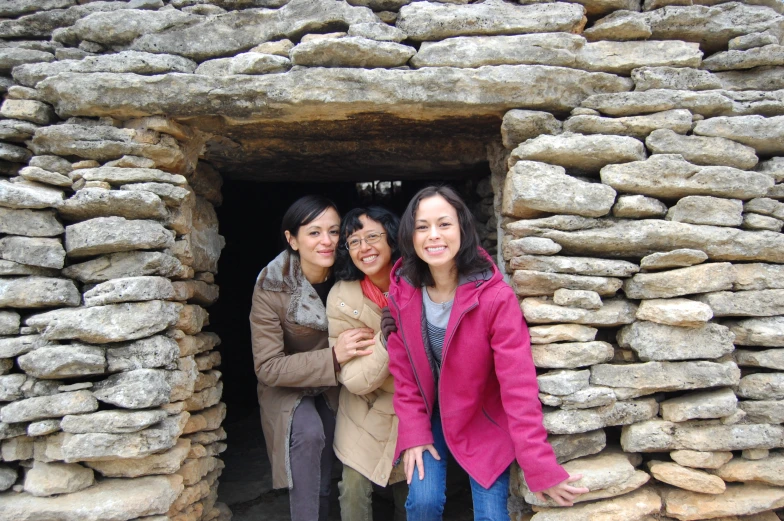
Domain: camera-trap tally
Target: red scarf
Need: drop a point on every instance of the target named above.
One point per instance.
(372, 292)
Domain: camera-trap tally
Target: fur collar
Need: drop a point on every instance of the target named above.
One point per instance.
(284, 274)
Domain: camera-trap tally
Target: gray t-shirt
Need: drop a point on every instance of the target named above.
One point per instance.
(436, 320)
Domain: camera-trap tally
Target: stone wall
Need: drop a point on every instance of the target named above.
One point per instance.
(636, 190)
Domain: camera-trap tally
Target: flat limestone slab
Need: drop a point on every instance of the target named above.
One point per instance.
(634, 506)
(659, 436)
(38, 292)
(737, 500)
(666, 376)
(351, 51)
(115, 234)
(652, 341)
(614, 312)
(765, 135)
(109, 500)
(767, 470)
(684, 281)
(584, 420)
(303, 94)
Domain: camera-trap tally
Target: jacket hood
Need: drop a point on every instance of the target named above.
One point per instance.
(284, 274)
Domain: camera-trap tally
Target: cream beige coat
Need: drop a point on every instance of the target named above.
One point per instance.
(366, 430)
(291, 354)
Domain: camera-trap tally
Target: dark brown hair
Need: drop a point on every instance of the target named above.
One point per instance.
(469, 258)
(303, 211)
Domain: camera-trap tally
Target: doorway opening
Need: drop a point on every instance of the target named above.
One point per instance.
(250, 219)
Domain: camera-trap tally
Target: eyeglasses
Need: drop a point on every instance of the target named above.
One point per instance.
(371, 238)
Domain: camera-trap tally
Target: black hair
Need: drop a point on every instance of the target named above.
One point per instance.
(344, 266)
(469, 258)
(303, 211)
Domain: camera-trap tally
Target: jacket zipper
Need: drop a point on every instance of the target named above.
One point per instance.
(411, 360)
(489, 418)
(449, 341)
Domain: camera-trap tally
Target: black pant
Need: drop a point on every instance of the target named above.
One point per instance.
(310, 458)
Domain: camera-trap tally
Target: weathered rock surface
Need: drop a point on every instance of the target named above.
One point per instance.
(137, 389)
(111, 500)
(122, 27)
(762, 386)
(29, 195)
(666, 376)
(113, 323)
(351, 51)
(737, 500)
(126, 264)
(614, 312)
(147, 353)
(66, 361)
(426, 21)
(14, 268)
(638, 207)
(683, 257)
(577, 298)
(99, 446)
(584, 420)
(670, 176)
(686, 478)
(767, 470)
(769, 55)
(536, 283)
(38, 292)
(559, 333)
(674, 78)
(33, 251)
(561, 383)
(660, 435)
(623, 57)
(570, 355)
(684, 281)
(53, 406)
(761, 303)
(526, 49)
(759, 78)
(259, 63)
(48, 479)
(16, 130)
(574, 265)
(125, 61)
(570, 446)
(713, 211)
(764, 411)
(28, 110)
(9, 323)
(770, 358)
(521, 125)
(700, 405)
(7, 477)
(116, 422)
(39, 175)
(88, 203)
(675, 312)
(163, 463)
(532, 187)
(765, 135)
(115, 234)
(583, 399)
(768, 332)
(676, 121)
(753, 221)
(347, 91)
(619, 238)
(576, 151)
(31, 223)
(121, 176)
(652, 341)
(704, 103)
(131, 289)
(635, 505)
(700, 460)
(701, 150)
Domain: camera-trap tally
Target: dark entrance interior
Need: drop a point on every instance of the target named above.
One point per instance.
(250, 219)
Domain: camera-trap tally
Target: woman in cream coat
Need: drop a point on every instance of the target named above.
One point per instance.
(366, 430)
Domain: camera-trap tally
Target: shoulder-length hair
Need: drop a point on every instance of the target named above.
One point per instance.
(469, 258)
(345, 269)
(303, 211)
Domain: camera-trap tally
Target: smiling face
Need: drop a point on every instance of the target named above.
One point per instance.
(316, 243)
(436, 233)
(374, 260)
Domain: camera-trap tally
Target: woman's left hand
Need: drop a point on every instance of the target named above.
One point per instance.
(353, 342)
(563, 493)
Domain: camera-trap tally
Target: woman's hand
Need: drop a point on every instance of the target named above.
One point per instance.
(352, 342)
(563, 493)
(412, 458)
(388, 325)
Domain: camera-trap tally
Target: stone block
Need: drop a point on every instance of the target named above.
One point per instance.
(674, 78)
(707, 104)
(677, 121)
(89, 203)
(755, 303)
(206, 420)
(39, 175)
(375, 31)
(38, 292)
(623, 57)
(115, 234)
(585, 153)
(112, 323)
(614, 312)
(700, 460)
(16, 130)
(64, 361)
(146, 353)
(28, 110)
(29, 195)
(686, 478)
(588, 398)
(574, 265)
(136, 389)
(770, 358)
(636, 505)
(753, 221)
(638, 207)
(675, 312)
(584, 420)
(570, 355)
(129, 289)
(559, 333)
(522, 125)
(671, 176)
(762, 134)
(762, 386)
(536, 283)
(167, 462)
(196, 292)
(570, 446)
(33, 251)
(653, 341)
(678, 282)
(767, 56)
(31, 223)
(350, 51)
(767, 470)
(126, 264)
(666, 376)
(658, 435)
(712, 211)
(563, 382)
(763, 411)
(53, 406)
(48, 479)
(701, 405)
(680, 258)
(577, 298)
(7, 477)
(700, 150)
(115, 422)
(18, 345)
(737, 500)
(43, 428)
(170, 194)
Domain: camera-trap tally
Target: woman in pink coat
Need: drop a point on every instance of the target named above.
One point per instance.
(465, 383)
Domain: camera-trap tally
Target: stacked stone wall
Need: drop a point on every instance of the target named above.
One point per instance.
(636, 205)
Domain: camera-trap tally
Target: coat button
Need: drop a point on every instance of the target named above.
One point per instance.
(356, 312)
(342, 304)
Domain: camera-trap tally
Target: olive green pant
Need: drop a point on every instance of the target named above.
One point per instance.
(356, 503)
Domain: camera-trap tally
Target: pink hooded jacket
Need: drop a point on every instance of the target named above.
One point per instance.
(488, 395)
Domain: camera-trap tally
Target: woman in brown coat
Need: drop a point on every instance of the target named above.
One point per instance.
(295, 367)
(366, 429)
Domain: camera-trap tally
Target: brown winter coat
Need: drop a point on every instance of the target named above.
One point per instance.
(291, 354)
(366, 430)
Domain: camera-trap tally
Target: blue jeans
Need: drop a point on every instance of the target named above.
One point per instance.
(426, 497)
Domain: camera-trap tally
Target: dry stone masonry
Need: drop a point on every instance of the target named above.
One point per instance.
(637, 158)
